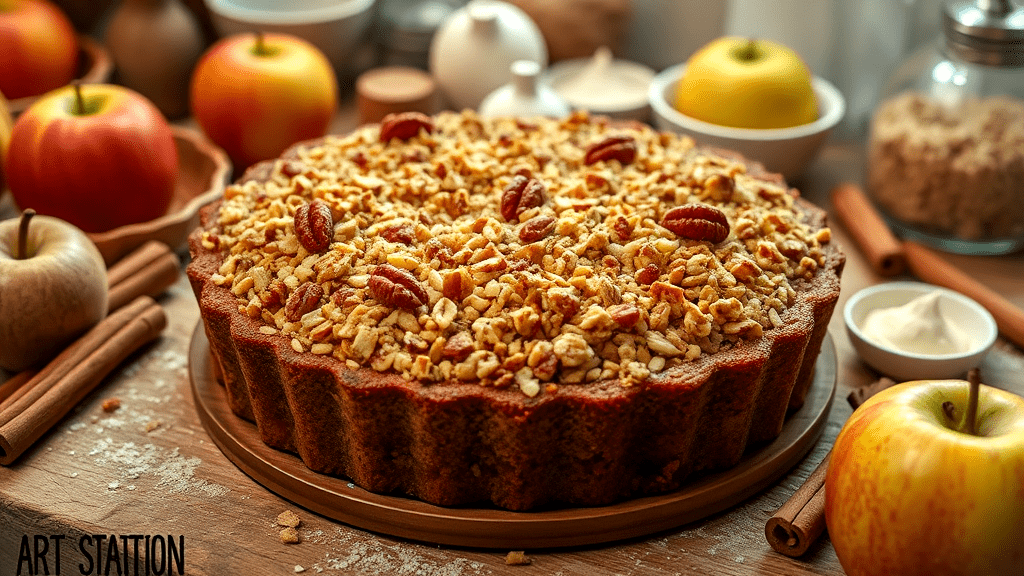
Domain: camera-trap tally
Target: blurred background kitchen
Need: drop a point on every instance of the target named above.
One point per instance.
(855, 44)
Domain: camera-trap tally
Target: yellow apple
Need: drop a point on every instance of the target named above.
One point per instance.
(746, 83)
(927, 479)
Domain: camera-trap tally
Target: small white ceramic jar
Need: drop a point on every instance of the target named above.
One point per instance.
(471, 53)
(526, 95)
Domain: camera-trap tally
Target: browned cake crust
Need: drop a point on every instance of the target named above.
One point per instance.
(452, 442)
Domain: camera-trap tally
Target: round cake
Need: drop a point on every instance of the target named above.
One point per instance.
(524, 313)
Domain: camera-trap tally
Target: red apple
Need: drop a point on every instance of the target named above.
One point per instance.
(53, 287)
(256, 94)
(6, 125)
(913, 490)
(38, 48)
(100, 158)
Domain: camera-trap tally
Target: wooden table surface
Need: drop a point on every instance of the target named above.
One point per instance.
(104, 473)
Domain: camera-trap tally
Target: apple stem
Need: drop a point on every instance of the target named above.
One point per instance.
(750, 50)
(79, 100)
(23, 233)
(970, 418)
(261, 48)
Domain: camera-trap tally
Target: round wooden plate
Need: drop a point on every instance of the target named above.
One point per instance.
(337, 498)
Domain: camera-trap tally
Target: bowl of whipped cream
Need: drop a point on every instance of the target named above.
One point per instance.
(917, 331)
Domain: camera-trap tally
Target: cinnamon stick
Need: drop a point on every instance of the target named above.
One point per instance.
(75, 372)
(799, 522)
(801, 519)
(883, 251)
(934, 268)
(13, 387)
(147, 271)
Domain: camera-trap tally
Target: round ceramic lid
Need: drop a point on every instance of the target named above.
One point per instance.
(986, 31)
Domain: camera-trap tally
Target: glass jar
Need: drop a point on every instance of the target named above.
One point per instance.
(945, 157)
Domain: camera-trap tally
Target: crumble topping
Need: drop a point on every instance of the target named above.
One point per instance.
(581, 285)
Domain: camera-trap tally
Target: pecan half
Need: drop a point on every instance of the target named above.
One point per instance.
(648, 274)
(520, 195)
(623, 228)
(625, 315)
(314, 226)
(276, 294)
(291, 168)
(397, 288)
(402, 234)
(458, 347)
(303, 300)
(536, 228)
(404, 125)
(344, 297)
(621, 148)
(697, 222)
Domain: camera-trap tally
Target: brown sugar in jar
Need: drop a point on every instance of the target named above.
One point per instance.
(945, 157)
(956, 172)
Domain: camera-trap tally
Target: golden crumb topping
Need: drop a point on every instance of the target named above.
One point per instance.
(513, 253)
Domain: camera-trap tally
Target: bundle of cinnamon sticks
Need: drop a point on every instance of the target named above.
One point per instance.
(888, 256)
(31, 402)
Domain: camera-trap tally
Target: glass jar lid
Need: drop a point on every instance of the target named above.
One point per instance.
(989, 32)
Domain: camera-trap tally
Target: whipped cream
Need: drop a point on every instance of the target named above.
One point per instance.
(920, 326)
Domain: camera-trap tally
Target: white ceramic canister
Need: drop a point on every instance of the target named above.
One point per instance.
(471, 54)
(526, 95)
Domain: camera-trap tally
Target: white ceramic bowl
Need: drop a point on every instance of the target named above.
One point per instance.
(616, 106)
(336, 27)
(901, 365)
(787, 151)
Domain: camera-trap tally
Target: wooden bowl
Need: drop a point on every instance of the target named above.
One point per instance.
(203, 171)
(95, 66)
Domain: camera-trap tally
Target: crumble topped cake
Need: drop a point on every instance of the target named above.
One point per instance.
(466, 309)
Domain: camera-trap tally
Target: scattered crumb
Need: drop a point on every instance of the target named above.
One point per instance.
(111, 404)
(289, 519)
(94, 419)
(152, 425)
(290, 535)
(517, 558)
(299, 568)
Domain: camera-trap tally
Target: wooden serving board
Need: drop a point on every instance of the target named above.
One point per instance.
(337, 498)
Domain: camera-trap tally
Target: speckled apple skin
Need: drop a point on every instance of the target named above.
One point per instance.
(907, 495)
(47, 299)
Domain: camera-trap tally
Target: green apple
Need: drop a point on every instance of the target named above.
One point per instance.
(747, 83)
(53, 287)
(927, 478)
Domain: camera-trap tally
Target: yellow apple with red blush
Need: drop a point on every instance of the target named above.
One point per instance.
(927, 479)
(98, 156)
(38, 48)
(256, 94)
